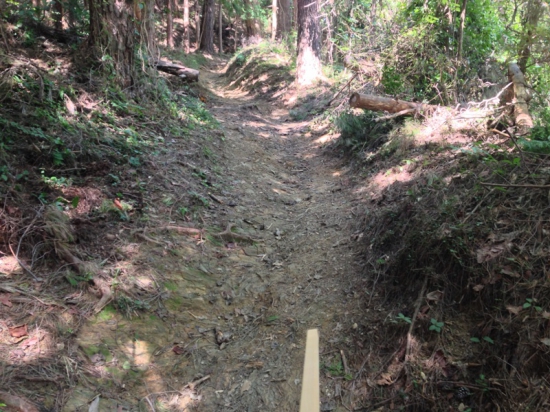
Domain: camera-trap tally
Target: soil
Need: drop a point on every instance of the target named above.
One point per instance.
(278, 257)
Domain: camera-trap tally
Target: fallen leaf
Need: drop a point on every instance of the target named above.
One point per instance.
(5, 300)
(490, 252)
(178, 350)
(246, 386)
(117, 204)
(94, 406)
(18, 331)
(507, 270)
(514, 310)
(30, 342)
(546, 341)
(435, 296)
(546, 315)
(478, 288)
(385, 379)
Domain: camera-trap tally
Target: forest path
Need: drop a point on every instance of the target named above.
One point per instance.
(304, 270)
(235, 314)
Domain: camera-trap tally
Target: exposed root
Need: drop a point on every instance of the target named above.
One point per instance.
(227, 233)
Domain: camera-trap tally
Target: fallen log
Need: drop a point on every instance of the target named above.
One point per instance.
(185, 73)
(387, 104)
(520, 98)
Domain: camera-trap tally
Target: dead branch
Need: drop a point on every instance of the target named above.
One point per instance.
(228, 233)
(340, 91)
(513, 185)
(18, 402)
(413, 320)
(391, 116)
(182, 229)
(185, 73)
(521, 97)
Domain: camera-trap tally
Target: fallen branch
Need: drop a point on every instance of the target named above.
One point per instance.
(228, 233)
(17, 402)
(520, 98)
(340, 91)
(182, 229)
(182, 72)
(391, 116)
(388, 104)
(513, 185)
(413, 320)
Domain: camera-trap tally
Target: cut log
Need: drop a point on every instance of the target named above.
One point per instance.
(521, 97)
(387, 104)
(186, 73)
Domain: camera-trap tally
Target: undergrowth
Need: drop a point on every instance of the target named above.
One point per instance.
(457, 238)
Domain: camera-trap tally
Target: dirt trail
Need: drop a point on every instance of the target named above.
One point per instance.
(237, 311)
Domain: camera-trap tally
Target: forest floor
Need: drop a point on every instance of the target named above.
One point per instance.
(240, 302)
(207, 247)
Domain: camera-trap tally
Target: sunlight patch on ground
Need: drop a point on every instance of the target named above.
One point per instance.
(329, 137)
(10, 266)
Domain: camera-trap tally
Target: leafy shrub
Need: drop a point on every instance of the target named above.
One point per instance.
(539, 140)
(362, 132)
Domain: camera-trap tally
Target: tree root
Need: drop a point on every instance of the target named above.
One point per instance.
(227, 233)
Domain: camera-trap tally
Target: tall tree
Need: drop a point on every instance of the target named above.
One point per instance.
(186, 44)
(58, 15)
(308, 64)
(530, 23)
(207, 41)
(169, 24)
(273, 20)
(113, 24)
(198, 31)
(251, 23)
(461, 28)
(284, 20)
(220, 27)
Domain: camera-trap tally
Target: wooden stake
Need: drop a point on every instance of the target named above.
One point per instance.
(310, 400)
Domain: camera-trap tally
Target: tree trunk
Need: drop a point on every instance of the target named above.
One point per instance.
(112, 31)
(330, 28)
(146, 26)
(520, 97)
(308, 65)
(185, 73)
(530, 22)
(186, 44)
(294, 23)
(273, 20)
(169, 25)
(385, 104)
(283, 18)
(198, 24)
(220, 28)
(207, 41)
(252, 25)
(461, 29)
(58, 15)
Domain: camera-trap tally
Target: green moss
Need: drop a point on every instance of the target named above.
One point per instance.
(107, 313)
(171, 286)
(174, 303)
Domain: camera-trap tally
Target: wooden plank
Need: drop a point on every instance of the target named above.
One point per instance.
(310, 400)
